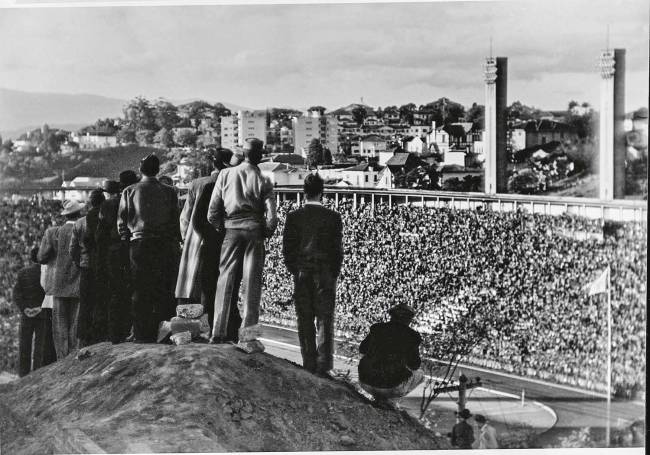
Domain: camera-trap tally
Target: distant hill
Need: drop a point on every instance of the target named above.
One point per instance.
(350, 107)
(109, 162)
(20, 111)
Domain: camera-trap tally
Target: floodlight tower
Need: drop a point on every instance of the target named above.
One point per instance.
(496, 96)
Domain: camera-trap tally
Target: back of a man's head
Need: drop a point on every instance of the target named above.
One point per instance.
(150, 165)
(128, 178)
(96, 198)
(33, 254)
(253, 150)
(313, 186)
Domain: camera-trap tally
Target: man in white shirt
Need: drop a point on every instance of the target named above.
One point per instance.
(487, 438)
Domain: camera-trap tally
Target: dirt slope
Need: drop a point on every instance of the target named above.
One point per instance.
(192, 398)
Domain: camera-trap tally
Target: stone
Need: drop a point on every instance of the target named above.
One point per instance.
(164, 331)
(205, 324)
(189, 311)
(347, 440)
(181, 338)
(179, 325)
(83, 354)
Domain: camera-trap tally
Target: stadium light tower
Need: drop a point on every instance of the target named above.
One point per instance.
(612, 131)
(496, 95)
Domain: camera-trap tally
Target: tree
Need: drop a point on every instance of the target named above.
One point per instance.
(518, 111)
(164, 138)
(140, 115)
(126, 136)
(406, 112)
(185, 137)
(476, 115)
(144, 137)
(315, 153)
(445, 111)
(358, 114)
(525, 181)
(327, 156)
(166, 114)
(221, 111)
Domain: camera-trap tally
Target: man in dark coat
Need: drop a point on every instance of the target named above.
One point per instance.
(462, 434)
(84, 254)
(391, 359)
(242, 205)
(313, 253)
(28, 296)
(148, 219)
(113, 262)
(199, 268)
(65, 286)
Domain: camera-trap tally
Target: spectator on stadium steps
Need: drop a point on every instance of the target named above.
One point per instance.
(313, 254)
(390, 366)
(487, 438)
(28, 297)
(462, 434)
(148, 218)
(242, 205)
(83, 251)
(65, 286)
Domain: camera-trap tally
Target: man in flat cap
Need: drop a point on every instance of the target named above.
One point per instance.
(65, 285)
(199, 267)
(113, 264)
(148, 219)
(243, 205)
(390, 366)
(84, 253)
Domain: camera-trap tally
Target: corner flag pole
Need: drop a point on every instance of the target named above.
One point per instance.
(609, 355)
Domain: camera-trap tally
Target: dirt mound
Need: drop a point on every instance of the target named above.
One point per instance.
(192, 398)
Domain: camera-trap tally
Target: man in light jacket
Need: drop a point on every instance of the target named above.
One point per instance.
(487, 438)
(242, 205)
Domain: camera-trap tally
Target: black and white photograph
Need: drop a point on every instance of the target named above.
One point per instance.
(309, 226)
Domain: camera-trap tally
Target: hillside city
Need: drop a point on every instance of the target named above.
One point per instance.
(434, 146)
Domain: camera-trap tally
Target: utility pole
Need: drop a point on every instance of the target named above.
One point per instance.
(463, 385)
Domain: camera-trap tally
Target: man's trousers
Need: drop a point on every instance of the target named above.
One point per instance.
(88, 294)
(242, 262)
(116, 291)
(154, 267)
(314, 296)
(65, 317)
(30, 329)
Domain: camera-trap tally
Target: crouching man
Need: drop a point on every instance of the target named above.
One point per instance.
(390, 366)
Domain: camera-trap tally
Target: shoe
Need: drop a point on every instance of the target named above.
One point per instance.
(217, 340)
(251, 347)
(325, 374)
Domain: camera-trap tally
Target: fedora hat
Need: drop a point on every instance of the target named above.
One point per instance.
(110, 186)
(70, 207)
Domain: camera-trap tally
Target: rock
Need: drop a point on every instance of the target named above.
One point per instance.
(190, 311)
(205, 324)
(83, 354)
(181, 338)
(179, 325)
(164, 331)
(347, 440)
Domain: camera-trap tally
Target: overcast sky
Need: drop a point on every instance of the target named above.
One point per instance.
(301, 55)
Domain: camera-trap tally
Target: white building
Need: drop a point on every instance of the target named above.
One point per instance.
(282, 174)
(371, 145)
(251, 124)
(311, 125)
(454, 157)
(517, 139)
(437, 139)
(92, 141)
(79, 188)
(415, 145)
(229, 131)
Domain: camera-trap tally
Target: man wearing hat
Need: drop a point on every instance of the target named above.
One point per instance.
(65, 286)
(462, 434)
(390, 366)
(113, 263)
(148, 218)
(84, 254)
(242, 205)
(199, 267)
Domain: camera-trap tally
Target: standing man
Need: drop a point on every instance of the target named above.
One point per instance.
(148, 219)
(487, 438)
(199, 267)
(28, 296)
(65, 289)
(462, 434)
(113, 263)
(84, 254)
(242, 204)
(313, 252)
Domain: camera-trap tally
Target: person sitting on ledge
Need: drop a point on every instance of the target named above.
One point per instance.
(390, 367)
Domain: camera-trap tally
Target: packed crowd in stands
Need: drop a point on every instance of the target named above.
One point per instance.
(528, 267)
(439, 260)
